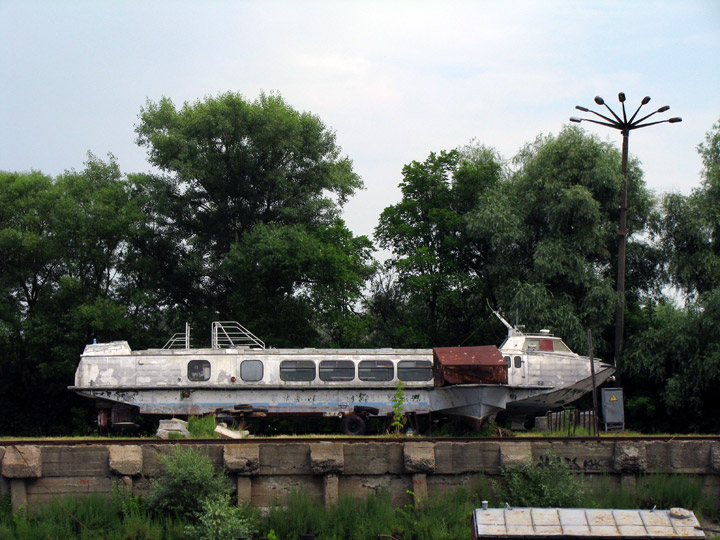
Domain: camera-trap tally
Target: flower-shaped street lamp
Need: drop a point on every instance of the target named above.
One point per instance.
(624, 126)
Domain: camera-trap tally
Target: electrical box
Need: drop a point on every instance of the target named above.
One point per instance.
(613, 408)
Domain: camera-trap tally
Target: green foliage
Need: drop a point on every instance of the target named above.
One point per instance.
(219, 519)
(187, 478)
(202, 427)
(661, 490)
(434, 283)
(398, 405)
(550, 484)
(86, 518)
(251, 198)
(123, 499)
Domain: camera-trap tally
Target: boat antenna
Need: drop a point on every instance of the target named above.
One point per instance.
(512, 330)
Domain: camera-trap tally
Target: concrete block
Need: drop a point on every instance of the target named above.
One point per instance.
(22, 462)
(419, 489)
(578, 456)
(715, 457)
(690, 456)
(419, 457)
(75, 461)
(284, 459)
(125, 460)
(460, 458)
(439, 484)
(515, 453)
(18, 494)
(225, 433)
(243, 459)
(331, 489)
(244, 489)
(270, 490)
(327, 458)
(657, 454)
(360, 487)
(151, 458)
(373, 458)
(174, 427)
(630, 457)
(44, 490)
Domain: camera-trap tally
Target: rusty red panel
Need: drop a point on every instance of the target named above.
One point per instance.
(469, 365)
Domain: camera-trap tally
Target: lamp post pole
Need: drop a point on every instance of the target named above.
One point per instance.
(624, 126)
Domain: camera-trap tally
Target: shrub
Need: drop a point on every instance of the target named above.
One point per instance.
(186, 480)
(220, 520)
(549, 484)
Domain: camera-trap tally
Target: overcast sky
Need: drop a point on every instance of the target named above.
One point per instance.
(395, 80)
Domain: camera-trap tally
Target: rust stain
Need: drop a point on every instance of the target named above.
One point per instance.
(469, 365)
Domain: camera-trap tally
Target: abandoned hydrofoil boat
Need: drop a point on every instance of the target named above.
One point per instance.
(237, 374)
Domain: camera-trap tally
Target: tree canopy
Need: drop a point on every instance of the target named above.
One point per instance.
(252, 194)
(241, 218)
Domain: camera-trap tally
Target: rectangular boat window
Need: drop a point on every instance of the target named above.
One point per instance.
(560, 346)
(415, 370)
(297, 370)
(251, 370)
(546, 345)
(509, 361)
(198, 370)
(531, 345)
(376, 370)
(518, 361)
(337, 370)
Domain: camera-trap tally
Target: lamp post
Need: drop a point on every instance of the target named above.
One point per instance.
(624, 126)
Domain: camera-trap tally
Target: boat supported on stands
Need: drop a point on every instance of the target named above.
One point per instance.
(238, 375)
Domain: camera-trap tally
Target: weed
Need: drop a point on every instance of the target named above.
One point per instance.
(550, 484)
(187, 478)
(202, 427)
(398, 405)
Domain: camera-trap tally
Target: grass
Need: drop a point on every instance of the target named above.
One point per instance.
(442, 517)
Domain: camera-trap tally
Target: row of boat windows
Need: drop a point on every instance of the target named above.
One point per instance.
(329, 370)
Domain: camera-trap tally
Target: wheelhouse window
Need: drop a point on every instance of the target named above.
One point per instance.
(337, 370)
(198, 370)
(297, 370)
(518, 361)
(415, 370)
(375, 370)
(251, 370)
(509, 361)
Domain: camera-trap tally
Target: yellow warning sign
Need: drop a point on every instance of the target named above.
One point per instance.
(612, 397)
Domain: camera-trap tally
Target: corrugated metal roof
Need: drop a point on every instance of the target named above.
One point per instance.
(584, 523)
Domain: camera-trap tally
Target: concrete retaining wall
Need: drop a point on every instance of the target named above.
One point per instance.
(264, 472)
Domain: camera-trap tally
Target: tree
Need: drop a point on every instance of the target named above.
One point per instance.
(539, 242)
(61, 245)
(553, 230)
(247, 188)
(674, 353)
(432, 254)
